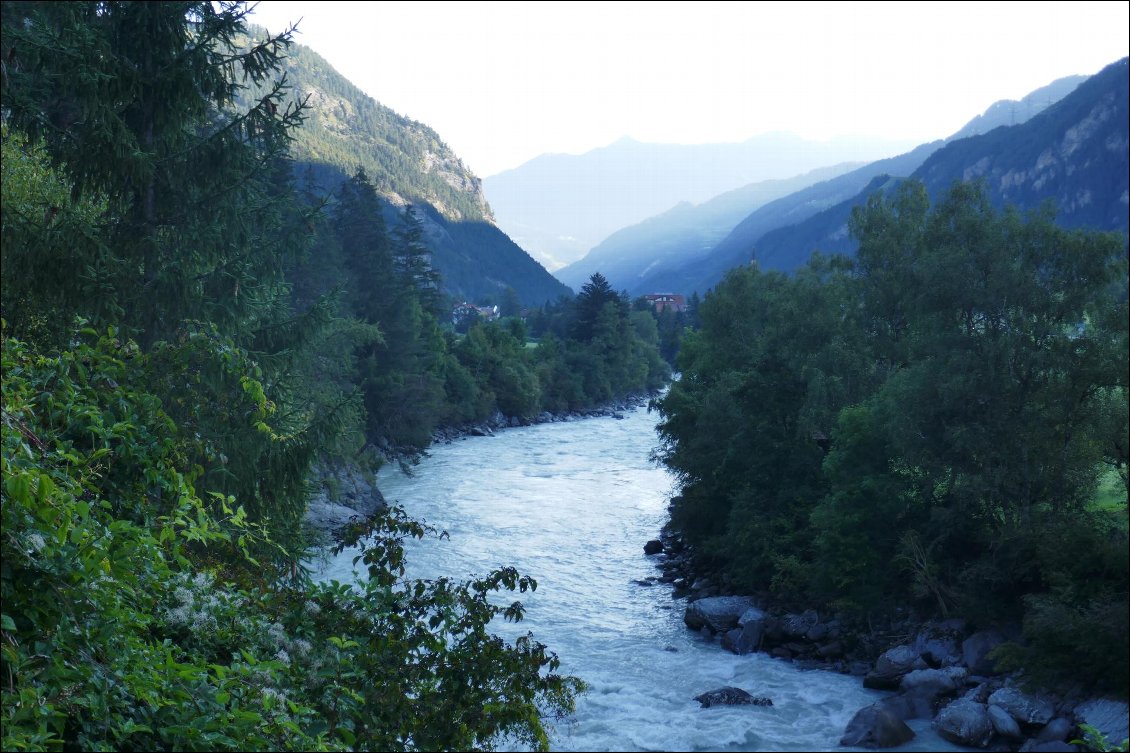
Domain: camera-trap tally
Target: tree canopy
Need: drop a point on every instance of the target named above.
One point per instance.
(949, 402)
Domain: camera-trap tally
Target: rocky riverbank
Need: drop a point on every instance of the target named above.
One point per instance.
(937, 670)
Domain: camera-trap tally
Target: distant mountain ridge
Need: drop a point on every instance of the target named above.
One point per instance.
(1074, 153)
(816, 217)
(409, 163)
(560, 206)
(684, 232)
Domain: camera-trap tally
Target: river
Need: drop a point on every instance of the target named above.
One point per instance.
(572, 504)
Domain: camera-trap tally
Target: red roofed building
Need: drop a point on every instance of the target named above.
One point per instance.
(666, 301)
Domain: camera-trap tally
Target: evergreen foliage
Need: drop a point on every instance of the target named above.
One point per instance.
(184, 337)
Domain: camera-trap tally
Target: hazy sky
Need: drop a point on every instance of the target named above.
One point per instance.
(504, 82)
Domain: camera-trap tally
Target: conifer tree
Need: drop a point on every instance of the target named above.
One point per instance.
(136, 101)
(413, 260)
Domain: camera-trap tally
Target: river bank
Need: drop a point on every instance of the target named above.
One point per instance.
(941, 671)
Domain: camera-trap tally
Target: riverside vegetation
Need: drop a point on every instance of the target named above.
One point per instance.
(939, 423)
(188, 332)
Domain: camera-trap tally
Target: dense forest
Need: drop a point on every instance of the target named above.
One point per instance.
(187, 333)
(939, 423)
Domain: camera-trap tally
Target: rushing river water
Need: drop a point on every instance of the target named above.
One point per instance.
(572, 504)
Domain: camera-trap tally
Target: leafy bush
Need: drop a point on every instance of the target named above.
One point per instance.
(133, 618)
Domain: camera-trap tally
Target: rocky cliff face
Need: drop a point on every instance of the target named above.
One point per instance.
(412, 164)
(1076, 153)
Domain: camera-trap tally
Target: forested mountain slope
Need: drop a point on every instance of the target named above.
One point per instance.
(781, 234)
(409, 163)
(1074, 154)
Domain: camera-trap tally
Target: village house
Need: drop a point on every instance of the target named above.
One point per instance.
(464, 311)
(666, 301)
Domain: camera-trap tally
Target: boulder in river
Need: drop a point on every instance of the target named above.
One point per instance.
(731, 696)
(975, 651)
(1003, 723)
(1024, 708)
(876, 727)
(655, 546)
(965, 723)
(718, 613)
(892, 666)
(1108, 716)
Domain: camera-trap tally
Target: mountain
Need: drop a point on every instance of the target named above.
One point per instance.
(559, 206)
(783, 233)
(684, 232)
(1073, 153)
(734, 250)
(409, 164)
(1009, 112)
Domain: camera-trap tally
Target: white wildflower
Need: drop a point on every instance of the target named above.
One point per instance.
(277, 633)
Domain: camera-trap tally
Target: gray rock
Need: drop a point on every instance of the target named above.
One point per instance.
(958, 674)
(1024, 708)
(975, 650)
(730, 640)
(1057, 729)
(978, 694)
(876, 727)
(1003, 722)
(912, 705)
(730, 696)
(655, 546)
(751, 615)
(938, 649)
(354, 497)
(965, 723)
(323, 515)
(898, 660)
(718, 613)
(933, 681)
(745, 639)
(891, 666)
(1108, 716)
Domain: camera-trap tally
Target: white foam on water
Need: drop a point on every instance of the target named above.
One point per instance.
(572, 504)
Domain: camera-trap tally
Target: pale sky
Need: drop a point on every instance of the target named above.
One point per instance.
(504, 82)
